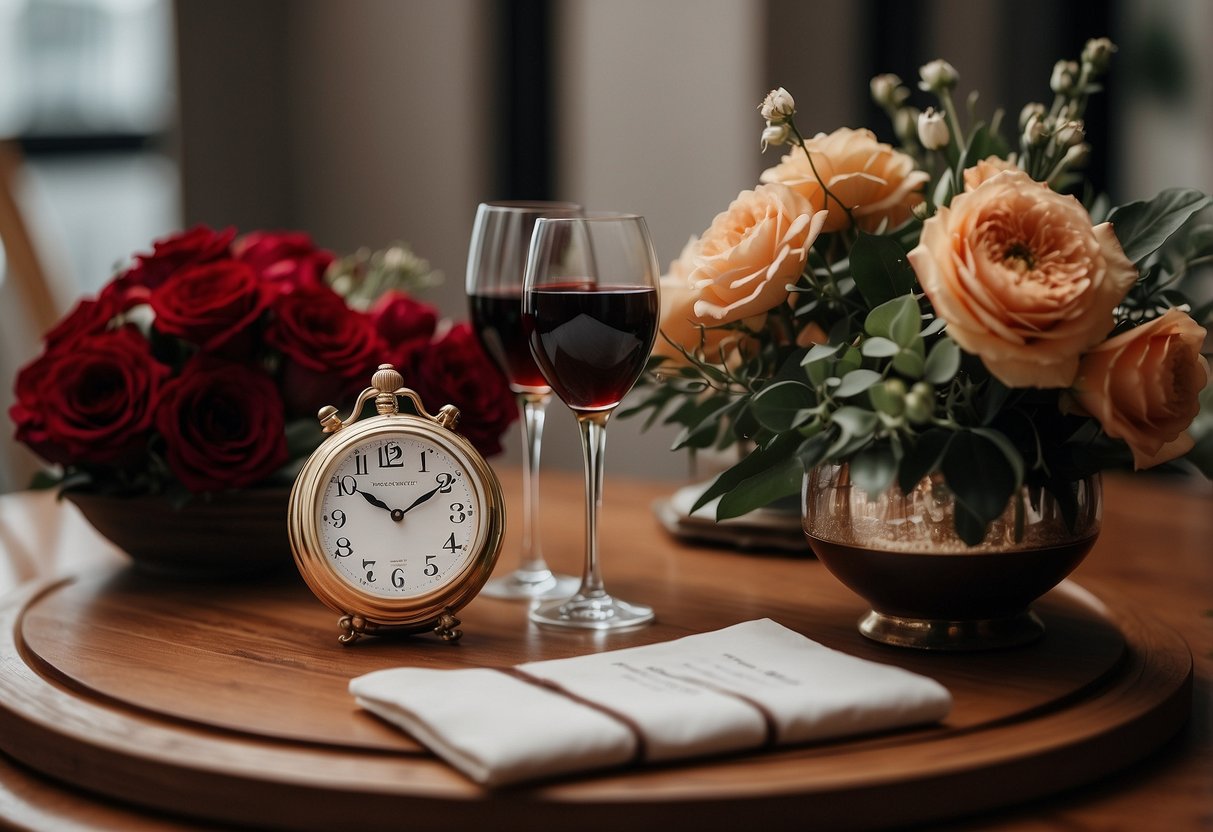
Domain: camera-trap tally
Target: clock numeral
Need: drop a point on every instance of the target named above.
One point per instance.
(359, 464)
(423, 470)
(391, 456)
(337, 518)
(444, 481)
(345, 485)
(458, 515)
(398, 578)
(344, 547)
(370, 575)
(431, 569)
(450, 545)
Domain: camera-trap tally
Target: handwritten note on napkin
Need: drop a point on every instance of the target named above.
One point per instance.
(746, 686)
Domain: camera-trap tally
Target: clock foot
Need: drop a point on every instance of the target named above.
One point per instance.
(352, 628)
(447, 628)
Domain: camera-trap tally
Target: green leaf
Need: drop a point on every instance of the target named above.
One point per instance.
(979, 475)
(820, 352)
(909, 362)
(854, 422)
(44, 480)
(851, 359)
(983, 144)
(936, 325)
(813, 450)
(856, 381)
(873, 469)
(923, 458)
(703, 433)
(880, 321)
(878, 347)
(782, 480)
(818, 372)
(753, 464)
(783, 406)
(1142, 227)
(969, 527)
(906, 323)
(943, 190)
(880, 269)
(943, 362)
(1009, 451)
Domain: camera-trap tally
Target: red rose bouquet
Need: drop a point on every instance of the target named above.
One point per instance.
(201, 366)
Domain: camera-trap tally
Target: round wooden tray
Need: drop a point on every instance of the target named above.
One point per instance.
(229, 704)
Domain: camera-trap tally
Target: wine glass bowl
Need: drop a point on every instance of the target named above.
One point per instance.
(497, 255)
(590, 311)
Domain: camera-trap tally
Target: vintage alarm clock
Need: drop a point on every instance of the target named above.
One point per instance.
(395, 521)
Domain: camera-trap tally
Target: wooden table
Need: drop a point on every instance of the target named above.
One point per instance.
(1155, 558)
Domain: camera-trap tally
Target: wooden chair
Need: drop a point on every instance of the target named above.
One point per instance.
(22, 264)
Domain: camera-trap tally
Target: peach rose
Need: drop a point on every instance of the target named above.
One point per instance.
(879, 184)
(679, 323)
(1144, 386)
(987, 168)
(751, 252)
(812, 334)
(1022, 278)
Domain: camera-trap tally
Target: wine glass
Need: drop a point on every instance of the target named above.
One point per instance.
(496, 259)
(590, 311)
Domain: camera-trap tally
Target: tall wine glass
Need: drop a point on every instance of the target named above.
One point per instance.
(590, 310)
(496, 260)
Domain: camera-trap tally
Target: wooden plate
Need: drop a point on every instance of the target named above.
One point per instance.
(229, 704)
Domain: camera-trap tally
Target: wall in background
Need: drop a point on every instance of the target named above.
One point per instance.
(370, 121)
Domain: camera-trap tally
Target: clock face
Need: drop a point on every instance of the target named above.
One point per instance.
(399, 515)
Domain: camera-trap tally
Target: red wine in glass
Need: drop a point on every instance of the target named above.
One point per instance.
(497, 318)
(591, 341)
(590, 312)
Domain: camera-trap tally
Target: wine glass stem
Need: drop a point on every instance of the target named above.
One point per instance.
(533, 407)
(593, 445)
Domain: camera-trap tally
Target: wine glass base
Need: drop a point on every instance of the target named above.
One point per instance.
(600, 612)
(527, 585)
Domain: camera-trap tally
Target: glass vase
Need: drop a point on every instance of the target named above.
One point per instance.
(927, 588)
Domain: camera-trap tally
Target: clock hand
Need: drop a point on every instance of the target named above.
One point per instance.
(375, 501)
(422, 498)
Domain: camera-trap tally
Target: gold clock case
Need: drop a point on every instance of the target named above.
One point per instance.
(363, 613)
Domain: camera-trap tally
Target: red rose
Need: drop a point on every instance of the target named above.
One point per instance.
(406, 326)
(288, 259)
(89, 400)
(222, 424)
(455, 370)
(187, 248)
(89, 317)
(329, 348)
(210, 304)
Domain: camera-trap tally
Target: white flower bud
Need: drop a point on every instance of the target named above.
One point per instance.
(777, 106)
(1076, 156)
(1065, 77)
(1097, 53)
(888, 92)
(775, 135)
(1034, 109)
(905, 125)
(937, 76)
(1034, 132)
(1070, 134)
(932, 129)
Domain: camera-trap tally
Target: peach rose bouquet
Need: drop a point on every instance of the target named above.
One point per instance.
(946, 306)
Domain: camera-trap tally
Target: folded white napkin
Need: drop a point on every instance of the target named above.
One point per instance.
(745, 686)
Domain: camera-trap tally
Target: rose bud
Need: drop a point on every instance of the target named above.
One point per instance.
(937, 76)
(932, 129)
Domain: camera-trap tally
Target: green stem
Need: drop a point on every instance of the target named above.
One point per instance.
(813, 167)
